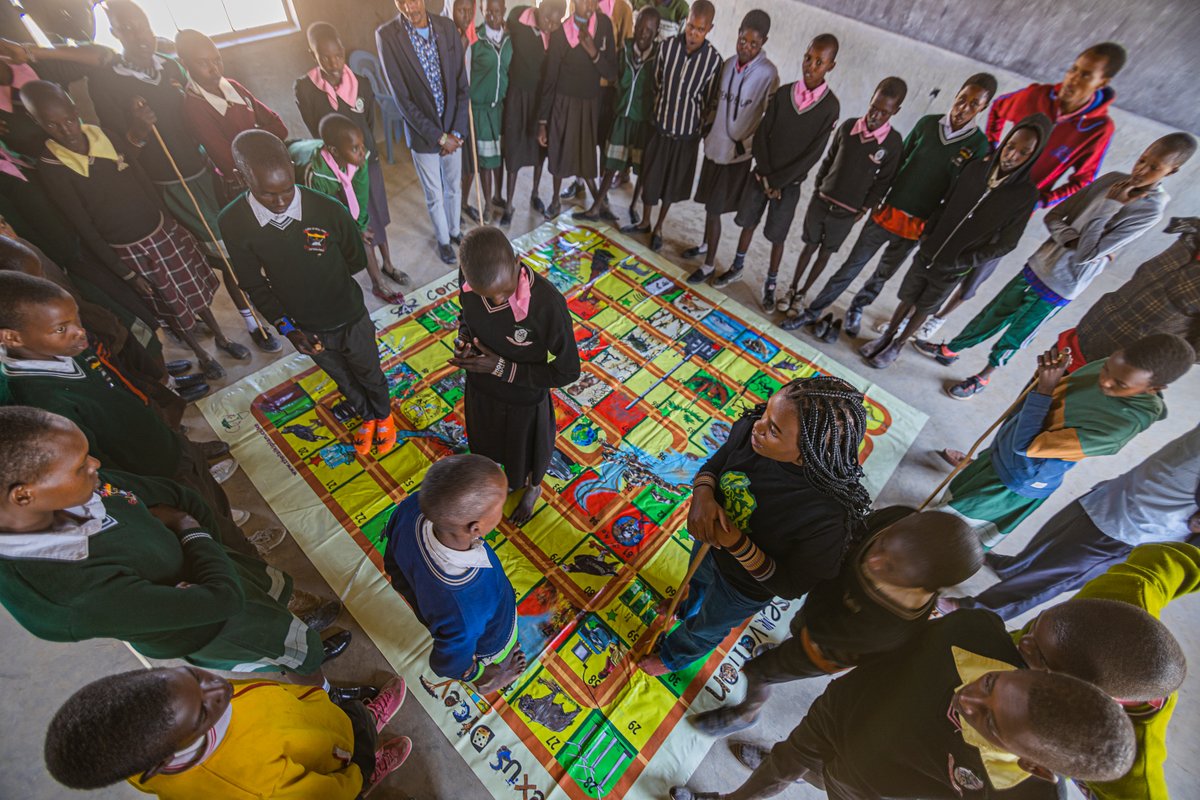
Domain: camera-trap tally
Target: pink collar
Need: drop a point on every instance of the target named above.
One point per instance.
(344, 179)
(519, 302)
(803, 97)
(22, 74)
(10, 166)
(572, 31)
(347, 90)
(529, 17)
(607, 6)
(879, 134)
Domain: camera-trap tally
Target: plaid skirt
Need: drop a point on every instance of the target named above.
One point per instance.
(171, 262)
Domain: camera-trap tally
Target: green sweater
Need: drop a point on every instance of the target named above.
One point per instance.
(122, 430)
(313, 171)
(929, 164)
(126, 587)
(635, 85)
(489, 69)
(303, 271)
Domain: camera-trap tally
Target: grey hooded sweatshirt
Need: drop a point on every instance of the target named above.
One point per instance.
(742, 97)
(1097, 227)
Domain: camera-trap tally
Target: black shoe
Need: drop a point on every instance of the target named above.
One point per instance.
(537, 205)
(335, 645)
(728, 277)
(194, 392)
(446, 254)
(695, 252)
(456, 240)
(574, 190)
(506, 219)
(832, 332)
(853, 322)
(699, 275)
(346, 694)
(176, 368)
(213, 449)
(264, 340)
(821, 326)
(470, 212)
(635, 227)
(585, 214)
(656, 242)
(186, 381)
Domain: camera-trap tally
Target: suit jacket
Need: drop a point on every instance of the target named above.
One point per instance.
(422, 126)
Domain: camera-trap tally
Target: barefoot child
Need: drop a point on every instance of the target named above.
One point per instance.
(438, 561)
(98, 183)
(516, 342)
(296, 252)
(858, 169)
(331, 86)
(777, 502)
(335, 165)
(491, 56)
(182, 733)
(881, 598)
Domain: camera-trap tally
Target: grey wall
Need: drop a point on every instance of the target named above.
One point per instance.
(1040, 38)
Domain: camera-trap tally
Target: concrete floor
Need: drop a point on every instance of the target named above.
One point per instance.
(35, 676)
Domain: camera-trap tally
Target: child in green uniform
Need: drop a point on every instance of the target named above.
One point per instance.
(491, 55)
(632, 124)
(672, 14)
(336, 165)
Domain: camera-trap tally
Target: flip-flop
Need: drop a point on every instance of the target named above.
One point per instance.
(235, 349)
(212, 370)
(392, 298)
(399, 276)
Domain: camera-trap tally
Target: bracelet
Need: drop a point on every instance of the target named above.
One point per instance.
(499, 370)
(284, 326)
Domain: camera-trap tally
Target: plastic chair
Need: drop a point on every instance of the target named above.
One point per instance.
(367, 64)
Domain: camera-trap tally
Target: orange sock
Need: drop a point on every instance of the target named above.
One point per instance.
(385, 435)
(363, 435)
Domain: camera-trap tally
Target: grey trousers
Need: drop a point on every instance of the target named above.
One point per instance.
(351, 359)
(441, 180)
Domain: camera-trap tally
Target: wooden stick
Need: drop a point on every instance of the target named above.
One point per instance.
(691, 573)
(971, 453)
(204, 221)
(145, 662)
(475, 161)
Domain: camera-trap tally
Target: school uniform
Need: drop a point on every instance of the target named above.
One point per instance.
(1039, 443)
(631, 125)
(620, 13)
(119, 216)
(741, 98)
(463, 597)
(570, 105)
(317, 169)
(352, 98)
(856, 172)
(216, 119)
(687, 86)
(672, 15)
(491, 56)
(795, 128)
(521, 101)
(801, 530)
(112, 570)
(297, 268)
(274, 739)
(510, 417)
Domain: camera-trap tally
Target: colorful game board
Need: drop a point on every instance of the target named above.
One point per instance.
(667, 368)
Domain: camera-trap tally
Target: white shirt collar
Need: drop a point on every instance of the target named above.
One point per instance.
(495, 36)
(66, 541)
(266, 216)
(61, 364)
(185, 759)
(949, 134)
(229, 96)
(454, 562)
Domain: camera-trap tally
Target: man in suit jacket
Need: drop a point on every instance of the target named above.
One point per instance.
(423, 59)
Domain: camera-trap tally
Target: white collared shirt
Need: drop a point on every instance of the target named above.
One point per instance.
(266, 216)
(454, 562)
(66, 541)
(59, 364)
(948, 132)
(229, 96)
(183, 759)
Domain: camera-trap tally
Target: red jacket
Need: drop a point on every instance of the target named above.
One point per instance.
(1078, 142)
(216, 132)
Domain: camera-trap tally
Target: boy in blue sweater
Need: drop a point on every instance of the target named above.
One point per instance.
(437, 559)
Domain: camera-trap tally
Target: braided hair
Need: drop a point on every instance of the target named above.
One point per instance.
(833, 422)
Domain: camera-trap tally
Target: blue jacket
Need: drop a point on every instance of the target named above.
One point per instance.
(422, 125)
(471, 616)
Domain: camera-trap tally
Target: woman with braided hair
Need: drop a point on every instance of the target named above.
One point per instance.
(777, 503)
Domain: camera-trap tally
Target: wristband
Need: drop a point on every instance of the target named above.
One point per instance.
(499, 370)
(284, 326)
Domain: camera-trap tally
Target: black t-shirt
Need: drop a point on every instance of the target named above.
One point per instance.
(800, 527)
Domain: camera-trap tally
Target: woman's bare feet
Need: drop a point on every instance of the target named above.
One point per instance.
(524, 509)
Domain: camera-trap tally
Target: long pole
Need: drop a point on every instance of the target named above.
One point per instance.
(701, 553)
(475, 160)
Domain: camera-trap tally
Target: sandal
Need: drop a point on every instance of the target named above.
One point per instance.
(398, 276)
(212, 370)
(392, 298)
(235, 349)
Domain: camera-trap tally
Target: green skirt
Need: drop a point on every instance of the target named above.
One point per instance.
(175, 198)
(978, 496)
(488, 124)
(265, 636)
(626, 143)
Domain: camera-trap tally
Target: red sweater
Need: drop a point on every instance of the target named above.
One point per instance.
(1078, 142)
(216, 132)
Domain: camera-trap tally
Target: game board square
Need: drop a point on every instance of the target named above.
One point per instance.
(723, 325)
(657, 502)
(681, 410)
(424, 408)
(589, 341)
(616, 364)
(659, 285)
(282, 404)
(586, 308)
(640, 708)
(396, 339)
(710, 387)
(665, 570)
(589, 390)
(792, 365)
(756, 346)
(401, 379)
(361, 500)
(407, 464)
(667, 324)
(592, 493)
(700, 346)
(544, 618)
(562, 471)
(452, 387)
(307, 433)
(712, 435)
(334, 465)
(596, 756)
(613, 408)
(584, 437)
(565, 410)
(644, 346)
(372, 529)
(590, 565)
(431, 358)
(734, 367)
(520, 570)
(692, 305)
(763, 386)
(629, 533)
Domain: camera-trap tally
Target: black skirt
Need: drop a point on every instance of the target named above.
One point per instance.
(669, 168)
(721, 186)
(518, 438)
(574, 150)
(520, 129)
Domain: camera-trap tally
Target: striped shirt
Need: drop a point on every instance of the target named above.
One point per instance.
(686, 85)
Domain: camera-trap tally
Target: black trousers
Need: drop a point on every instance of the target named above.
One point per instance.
(872, 237)
(351, 359)
(789, 661)
(362, 723)
(193, 473)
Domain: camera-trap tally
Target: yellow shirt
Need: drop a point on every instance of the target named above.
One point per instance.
(283, 741)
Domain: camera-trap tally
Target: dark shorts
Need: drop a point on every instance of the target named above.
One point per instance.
(827, 224)
(669, 168)
(780, 213)
(925, 286)
(977, 276)
(721, 186)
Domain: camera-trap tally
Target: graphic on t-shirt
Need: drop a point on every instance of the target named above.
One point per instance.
(738, 501)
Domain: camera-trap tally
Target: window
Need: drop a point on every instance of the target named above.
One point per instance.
(223, 20)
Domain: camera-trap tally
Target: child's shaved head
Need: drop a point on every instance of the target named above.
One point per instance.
(26, 453)
(191, 44)
(1179, 146)
(459, 490)
(38, 97)
(259, 152)
(487, 258)
(320, 32)
(20, 292)
(894, 88)
(17, 256)
(928, 550)
(335, 129)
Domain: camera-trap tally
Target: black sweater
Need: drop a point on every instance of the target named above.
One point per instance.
(789, 142)
(302, 271)
(800, 527)
(540, 349)
(529, 54)
(571, 72)
(857, 172)
(314, 106)
(975, 224)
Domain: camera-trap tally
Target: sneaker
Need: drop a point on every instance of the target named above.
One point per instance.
(785, 301)
(768, 296)
(363, 435)
(695, 252)
(446, 254)
(264, 340)
(315, 612)
(267, 539)
(240, 516)
(885, 357)
(223, 470)
(385, 435)
(931, 326)
(852, 324)
(388, 759)
(387, 702)
(727, 278)
(938, 352)
(968, 388)
(574, 190)
(699, 275)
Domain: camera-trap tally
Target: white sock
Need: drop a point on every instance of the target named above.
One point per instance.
(325, 684)
(248, 318)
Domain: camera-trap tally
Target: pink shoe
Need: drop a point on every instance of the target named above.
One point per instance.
(387, 702)
(388, 759)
